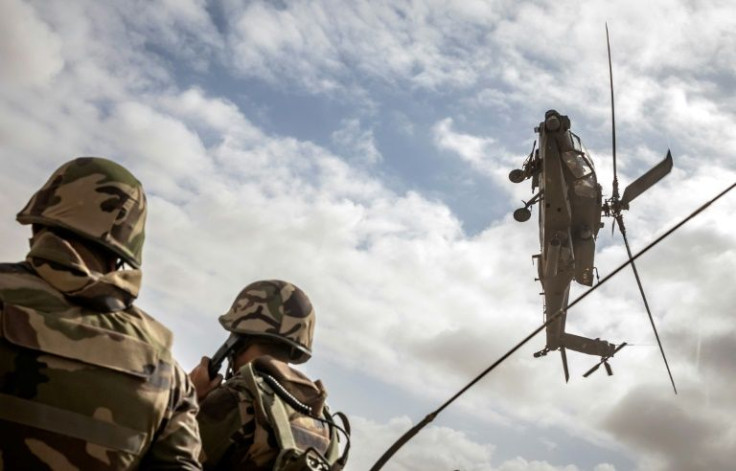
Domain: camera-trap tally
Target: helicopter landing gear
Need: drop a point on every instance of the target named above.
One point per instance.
(517, 175)
(522, 214)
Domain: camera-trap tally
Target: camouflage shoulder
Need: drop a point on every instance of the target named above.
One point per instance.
(219, 420)
(159, 335)
(19, 284)
(177, 444)
(226, 408)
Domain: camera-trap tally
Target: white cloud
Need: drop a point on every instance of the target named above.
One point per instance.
(354, 141)
(30, 50)
(434, 448)
(477, 151)
(308, 44)
(486, 155)
(520, 464)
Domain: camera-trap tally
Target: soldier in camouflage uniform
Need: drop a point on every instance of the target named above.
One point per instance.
(271, 324)
(87, 380)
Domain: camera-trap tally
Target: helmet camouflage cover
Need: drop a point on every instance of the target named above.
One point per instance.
(277, 310)
(97, 199)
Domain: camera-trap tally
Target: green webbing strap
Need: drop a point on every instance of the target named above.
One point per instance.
(280, 418)
(250, 379)
(70, 424)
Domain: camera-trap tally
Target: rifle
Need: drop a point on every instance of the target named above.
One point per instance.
(226, 349)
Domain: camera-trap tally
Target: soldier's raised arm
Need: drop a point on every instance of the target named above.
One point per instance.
(177, 444)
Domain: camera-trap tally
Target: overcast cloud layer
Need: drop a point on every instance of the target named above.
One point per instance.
(361, 150)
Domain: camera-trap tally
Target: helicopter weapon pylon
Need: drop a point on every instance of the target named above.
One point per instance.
(614, 206)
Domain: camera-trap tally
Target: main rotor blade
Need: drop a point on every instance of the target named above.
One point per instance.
(619, 220)
(643, 183)
(613, 117)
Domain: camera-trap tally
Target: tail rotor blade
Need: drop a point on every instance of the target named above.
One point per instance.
(609, 370)
(646, 181)
(620, 222)
(592, 370)
(564, 364)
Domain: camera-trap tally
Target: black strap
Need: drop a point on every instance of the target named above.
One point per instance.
(342, 461)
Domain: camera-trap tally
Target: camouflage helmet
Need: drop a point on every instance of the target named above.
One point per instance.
(276, 310)
(94, 198)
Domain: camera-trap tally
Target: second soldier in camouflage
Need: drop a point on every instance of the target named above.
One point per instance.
(267, 415)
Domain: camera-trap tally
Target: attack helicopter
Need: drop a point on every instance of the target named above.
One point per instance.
(571, 205)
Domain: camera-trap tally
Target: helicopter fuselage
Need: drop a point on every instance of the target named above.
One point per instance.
(570, 209)
(570, 201)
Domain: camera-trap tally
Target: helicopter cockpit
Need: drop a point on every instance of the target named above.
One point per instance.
(580, 165)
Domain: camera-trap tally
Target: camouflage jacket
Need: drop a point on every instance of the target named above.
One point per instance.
(237, 434)
(85, 388)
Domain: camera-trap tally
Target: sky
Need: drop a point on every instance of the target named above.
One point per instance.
(360, 149)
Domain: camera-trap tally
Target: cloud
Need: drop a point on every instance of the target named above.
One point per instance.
(306, 44)
(352, 140)
(29, 48)
(435, 447)
(475, 150)
(183, 29)
(700, 439)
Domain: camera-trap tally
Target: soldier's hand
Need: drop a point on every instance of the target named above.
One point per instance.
(201, 379)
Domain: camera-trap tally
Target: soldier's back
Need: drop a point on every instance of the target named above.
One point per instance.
(83, 389)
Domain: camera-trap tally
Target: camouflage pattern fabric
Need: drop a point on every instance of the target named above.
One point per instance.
(57, 262)
(83, 387)
(96, 199)
(235, 432)
(277, 310)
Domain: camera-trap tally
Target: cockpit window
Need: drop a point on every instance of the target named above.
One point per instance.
(578, 146)
(577, 159)
(576, 163)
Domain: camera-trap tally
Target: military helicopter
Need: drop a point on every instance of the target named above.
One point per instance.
(571, 204)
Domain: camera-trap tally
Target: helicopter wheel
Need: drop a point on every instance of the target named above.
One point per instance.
(516, 175)
(522, 214)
